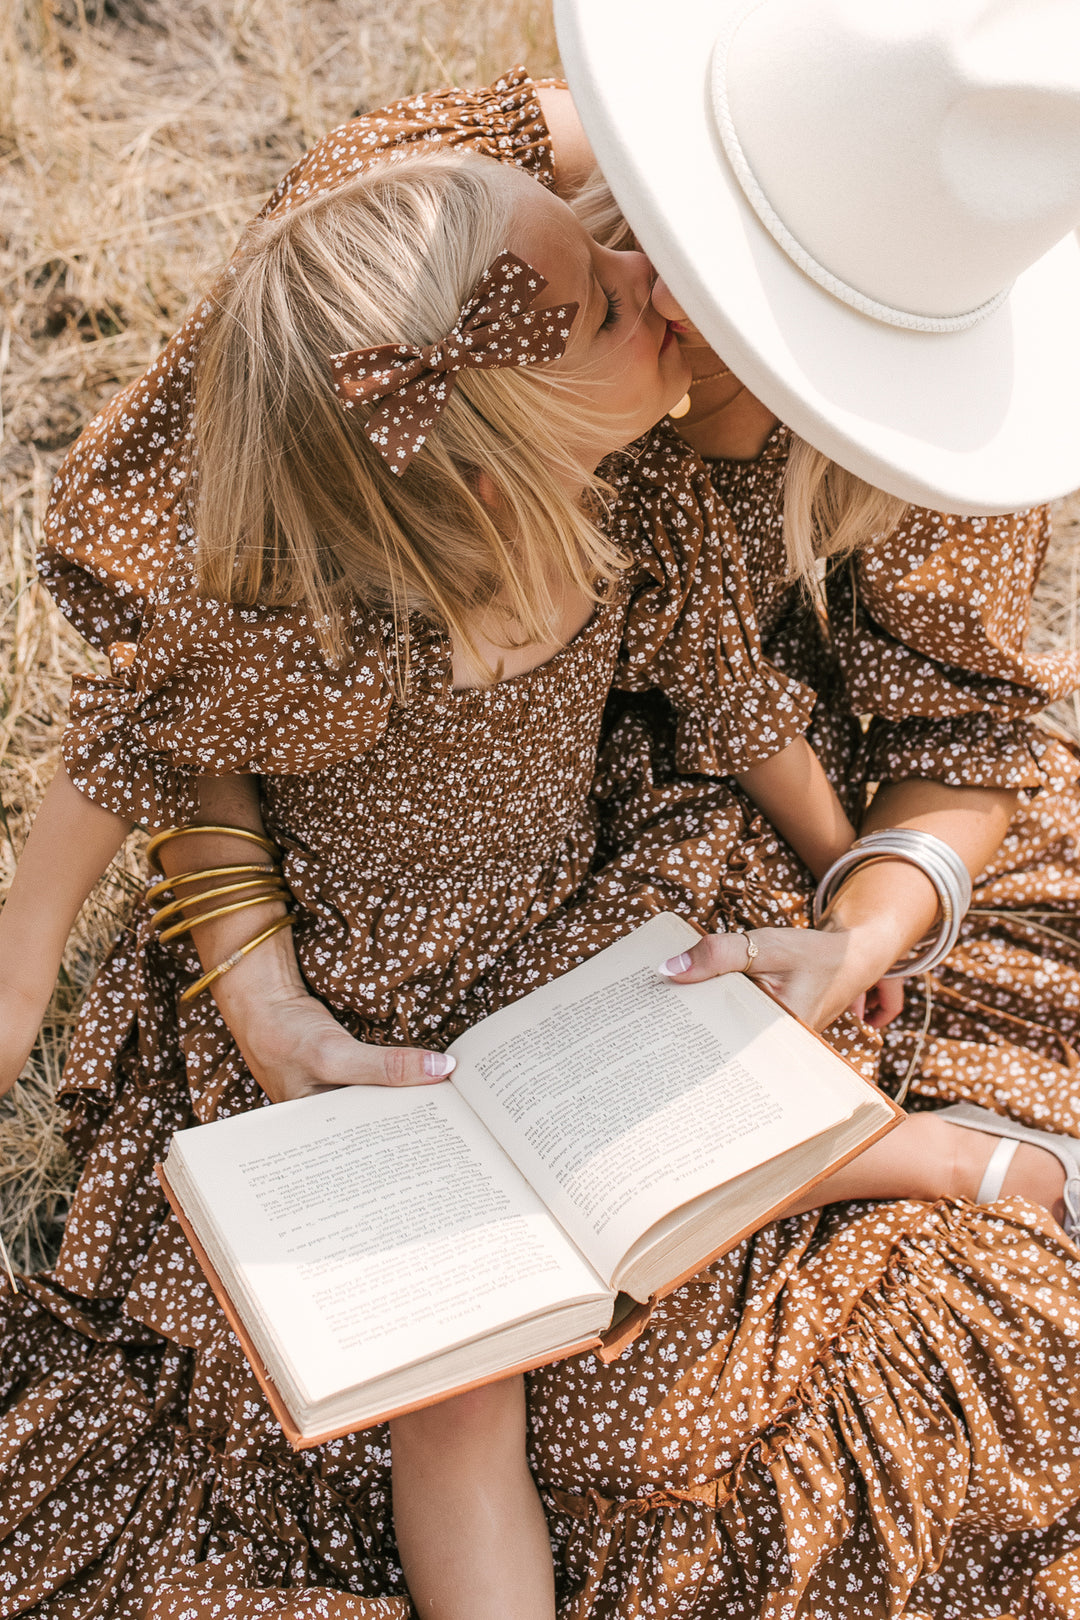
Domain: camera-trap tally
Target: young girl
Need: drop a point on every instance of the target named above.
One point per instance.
(405, 611)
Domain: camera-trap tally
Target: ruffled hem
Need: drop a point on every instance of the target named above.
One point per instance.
(112, 1505)
(203, 1595)
(914, 1468)
(691, 629)
(947, 1403)
(762, 720)
(971, 750)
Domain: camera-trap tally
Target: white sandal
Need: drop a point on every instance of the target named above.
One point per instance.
(1066, 1149)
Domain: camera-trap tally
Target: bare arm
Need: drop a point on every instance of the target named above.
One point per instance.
(574, 160)
(792, 791)
(878, 914)
(892, 905)
(68, 848)
(292, 1044)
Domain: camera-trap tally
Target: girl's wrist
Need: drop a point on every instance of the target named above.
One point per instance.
(883, 909)
(871, 946)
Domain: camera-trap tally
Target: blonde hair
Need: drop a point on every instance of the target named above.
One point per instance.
(597, 210)
(292, 501)
(828, 511)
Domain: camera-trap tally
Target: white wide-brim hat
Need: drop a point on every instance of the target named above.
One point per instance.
(868, 207)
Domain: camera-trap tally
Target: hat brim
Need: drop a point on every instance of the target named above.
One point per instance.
(981, 421)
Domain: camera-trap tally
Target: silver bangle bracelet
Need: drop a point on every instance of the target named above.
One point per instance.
(936, 860)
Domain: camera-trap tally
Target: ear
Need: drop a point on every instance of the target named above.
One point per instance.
(485, 489)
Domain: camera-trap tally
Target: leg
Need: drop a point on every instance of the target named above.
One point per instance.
(926, 1157)
(470, 1526)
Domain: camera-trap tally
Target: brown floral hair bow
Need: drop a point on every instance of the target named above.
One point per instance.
(496, 328)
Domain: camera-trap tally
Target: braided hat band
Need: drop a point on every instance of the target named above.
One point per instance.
(496, 328)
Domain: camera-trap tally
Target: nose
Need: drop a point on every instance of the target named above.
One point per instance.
(642, 282)
(665, 303)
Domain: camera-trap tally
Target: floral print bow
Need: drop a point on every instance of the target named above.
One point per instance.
(496, 328)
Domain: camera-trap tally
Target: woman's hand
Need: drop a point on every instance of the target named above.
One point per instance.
(816, 975)
(295, 1047)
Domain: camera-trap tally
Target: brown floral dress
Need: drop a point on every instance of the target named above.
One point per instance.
(872, 1409)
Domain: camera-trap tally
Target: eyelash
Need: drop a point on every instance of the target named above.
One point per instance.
(614, 305)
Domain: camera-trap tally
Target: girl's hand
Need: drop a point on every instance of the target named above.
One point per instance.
(295, 1047)
(20, 1020)
(883, 1002)
(816, 975)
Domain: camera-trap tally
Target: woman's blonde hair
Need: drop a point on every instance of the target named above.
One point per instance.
(828, 511)
(294, 504)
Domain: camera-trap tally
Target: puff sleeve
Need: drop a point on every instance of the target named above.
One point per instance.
(213, 689)
(503, 121)
(931, 632)
(691, 629)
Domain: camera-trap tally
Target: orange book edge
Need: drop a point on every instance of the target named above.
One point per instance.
(297, 1440)
(622, 1334)
(617, 1338)
(607, 1346)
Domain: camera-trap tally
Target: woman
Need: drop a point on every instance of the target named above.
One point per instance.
(674, 1478)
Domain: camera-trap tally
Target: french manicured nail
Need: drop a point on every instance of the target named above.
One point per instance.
(675, 964)
(438, 1065)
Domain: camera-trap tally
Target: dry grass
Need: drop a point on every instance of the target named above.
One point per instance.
(136, 136)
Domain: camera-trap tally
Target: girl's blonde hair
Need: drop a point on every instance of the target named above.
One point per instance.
(293, 504)
(828, 511)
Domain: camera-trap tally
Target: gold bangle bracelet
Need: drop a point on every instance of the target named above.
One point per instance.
(162, 838)
(163, 885)
(163, 913)
(222, 911)
(208, 979)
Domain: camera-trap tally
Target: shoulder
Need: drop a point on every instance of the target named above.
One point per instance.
(503, 120)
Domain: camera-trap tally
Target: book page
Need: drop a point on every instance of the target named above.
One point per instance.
(370, 1228)
(622, 1096)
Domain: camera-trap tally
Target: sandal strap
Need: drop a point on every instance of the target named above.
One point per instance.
(996, 1170)
(1066, 1149)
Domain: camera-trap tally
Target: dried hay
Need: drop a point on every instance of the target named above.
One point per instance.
(136, 137)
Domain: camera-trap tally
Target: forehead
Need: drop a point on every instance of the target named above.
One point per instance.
(544, 232)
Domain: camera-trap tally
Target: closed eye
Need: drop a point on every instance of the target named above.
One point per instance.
(614, 305)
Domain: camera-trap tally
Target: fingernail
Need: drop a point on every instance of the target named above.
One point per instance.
(438, 1065)
(675, 964)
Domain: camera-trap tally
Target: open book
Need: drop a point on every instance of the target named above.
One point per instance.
(605, 1137)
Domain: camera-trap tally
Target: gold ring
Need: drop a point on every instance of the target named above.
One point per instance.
(751, 951)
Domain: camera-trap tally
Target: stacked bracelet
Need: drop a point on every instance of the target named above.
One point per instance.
(258, 883)
(936, 860)
(193, 829)
(237, 956)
